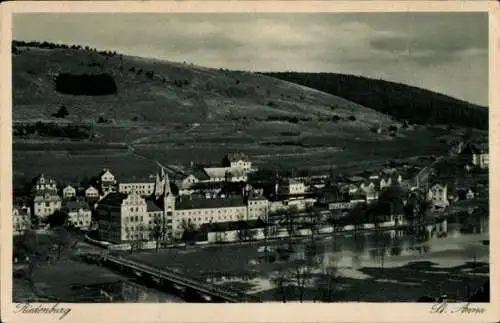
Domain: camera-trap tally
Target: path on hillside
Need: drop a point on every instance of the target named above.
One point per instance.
(132, 150)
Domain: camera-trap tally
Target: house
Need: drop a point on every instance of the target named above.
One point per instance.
(69, 192)
(291, 186)
(438, 195)
(237, 161)
(142, 186)
(21, 219)
(469, 195)
(46, 202)
(390, 207)
(43, 183)
(369, 190)
(79, 214)
(476, 154)
(106, 182)
(91, 193)
(228, 174)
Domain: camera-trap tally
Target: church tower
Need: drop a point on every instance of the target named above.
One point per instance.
(168, 197)
(159, 183)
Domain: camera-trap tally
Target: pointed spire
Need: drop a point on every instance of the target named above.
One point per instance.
(167, 190)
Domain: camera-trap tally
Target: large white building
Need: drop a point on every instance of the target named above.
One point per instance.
(143, 187)
(46, 200)
(126, 217)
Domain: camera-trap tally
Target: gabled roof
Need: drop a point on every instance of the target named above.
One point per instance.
(234, 157)
(75, 205)
(152, 207)
(138, 179)
(113, 199)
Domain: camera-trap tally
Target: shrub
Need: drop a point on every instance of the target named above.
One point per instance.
(61, 113)
(352, 118)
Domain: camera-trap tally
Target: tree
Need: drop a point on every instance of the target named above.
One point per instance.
(302, 276)
(314, 221)
(57, 219)
(281, 279)
(62, 242)
(289, 219)
(189, 231)
(330, 273)
(61, 113)
(158, 231)
(243, 230)
(137, 237)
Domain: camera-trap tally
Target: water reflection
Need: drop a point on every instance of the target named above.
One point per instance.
(372, 249)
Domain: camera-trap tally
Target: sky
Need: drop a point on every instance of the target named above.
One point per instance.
(443, 52)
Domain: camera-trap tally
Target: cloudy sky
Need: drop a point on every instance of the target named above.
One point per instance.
(445, 52)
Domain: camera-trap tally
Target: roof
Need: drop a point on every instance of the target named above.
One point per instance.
(47, 194)
(113, 198)
(91, 188)
(138, 179)
(233, 157)
(216, 172)
(199, 173)
(475, 148)
(75, 205)
(152, 207)
(211, 203)
(42, 176)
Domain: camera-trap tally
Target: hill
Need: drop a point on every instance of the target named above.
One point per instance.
(401, 101)
(147, 110)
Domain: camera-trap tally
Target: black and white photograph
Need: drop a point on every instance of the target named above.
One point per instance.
(250, 157)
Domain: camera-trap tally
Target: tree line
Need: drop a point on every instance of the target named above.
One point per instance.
(52, 129)
(401, 101)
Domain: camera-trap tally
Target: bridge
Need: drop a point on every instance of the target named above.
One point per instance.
(192, 286)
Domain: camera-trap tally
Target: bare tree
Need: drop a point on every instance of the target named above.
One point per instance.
(63, 242)
(137, 237)
(158, 231)
(281, 279)
(243, 231)
(314, 221)
(330, 273)
(302, 276)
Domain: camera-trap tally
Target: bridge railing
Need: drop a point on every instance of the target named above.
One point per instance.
(228, 293)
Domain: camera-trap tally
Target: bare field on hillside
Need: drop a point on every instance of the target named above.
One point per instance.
(272, 145)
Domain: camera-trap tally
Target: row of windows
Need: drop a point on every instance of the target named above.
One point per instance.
(136, 218)
(210, 211)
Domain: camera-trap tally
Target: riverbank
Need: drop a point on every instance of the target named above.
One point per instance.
(402, 271)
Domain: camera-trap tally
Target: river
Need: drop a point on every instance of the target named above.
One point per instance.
(450, 257)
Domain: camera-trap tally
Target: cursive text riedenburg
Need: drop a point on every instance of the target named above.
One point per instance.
(461, 308)
(27, 308)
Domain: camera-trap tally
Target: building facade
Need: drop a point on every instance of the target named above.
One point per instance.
(69, 192)
(79, 214)
(143, 188)
(45, 203)
(21, 219)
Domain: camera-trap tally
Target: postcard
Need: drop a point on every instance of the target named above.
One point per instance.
(249, 161)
